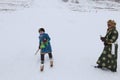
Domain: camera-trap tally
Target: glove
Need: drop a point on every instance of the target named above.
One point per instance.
(105, 44)
(39, 47)
(102, 39)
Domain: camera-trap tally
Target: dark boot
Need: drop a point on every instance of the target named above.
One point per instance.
(98, 66)
(113, 70)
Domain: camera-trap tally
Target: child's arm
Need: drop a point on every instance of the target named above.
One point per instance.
(48, 38)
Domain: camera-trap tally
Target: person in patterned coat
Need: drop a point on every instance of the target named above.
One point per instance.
(108, 58)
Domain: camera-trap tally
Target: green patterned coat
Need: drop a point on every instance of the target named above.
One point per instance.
(107, 59)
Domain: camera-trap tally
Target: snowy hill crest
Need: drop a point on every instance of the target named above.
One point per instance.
(93, 5)
(12, 5)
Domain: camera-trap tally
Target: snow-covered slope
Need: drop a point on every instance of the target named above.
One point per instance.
(93, 5)
(74, 37)
(12, 5)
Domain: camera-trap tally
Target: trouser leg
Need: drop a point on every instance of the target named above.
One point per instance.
(42, 58)
(51, 60)
(50, 55)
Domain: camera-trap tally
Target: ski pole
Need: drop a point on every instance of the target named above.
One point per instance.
(37, 51)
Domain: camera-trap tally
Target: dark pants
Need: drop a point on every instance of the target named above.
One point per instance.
(42, 57)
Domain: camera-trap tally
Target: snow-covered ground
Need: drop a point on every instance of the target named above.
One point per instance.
(93, 5)
(13, 5)
(74, 38)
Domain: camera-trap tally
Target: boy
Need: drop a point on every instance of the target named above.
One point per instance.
(44, 45)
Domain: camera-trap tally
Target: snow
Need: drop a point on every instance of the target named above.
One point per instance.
(94, 5)
(74, 38)
(13, 5)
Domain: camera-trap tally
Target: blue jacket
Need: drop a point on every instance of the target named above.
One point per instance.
(44, 37)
